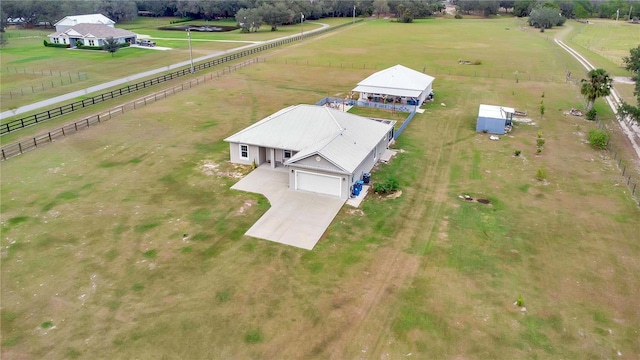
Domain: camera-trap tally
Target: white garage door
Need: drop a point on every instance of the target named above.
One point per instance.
(323, 184)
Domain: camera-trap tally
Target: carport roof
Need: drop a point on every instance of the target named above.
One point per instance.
(341, 138)
(397, 80)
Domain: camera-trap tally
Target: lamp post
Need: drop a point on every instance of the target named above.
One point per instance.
(302, 24)
(354, 14)
(190, 51)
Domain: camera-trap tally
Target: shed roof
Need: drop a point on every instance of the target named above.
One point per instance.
(397, 80)
(494, 111)
(343, 139)
(94, 30)
(85, 19)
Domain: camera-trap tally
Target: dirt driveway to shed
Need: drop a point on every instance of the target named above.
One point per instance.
(295, 218)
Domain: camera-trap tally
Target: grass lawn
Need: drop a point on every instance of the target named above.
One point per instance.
(125, 240)
(30, 72)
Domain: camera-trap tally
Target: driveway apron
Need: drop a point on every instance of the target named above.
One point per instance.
(295, 218)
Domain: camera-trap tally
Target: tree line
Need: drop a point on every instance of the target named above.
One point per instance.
(47, 12)
(570, 9)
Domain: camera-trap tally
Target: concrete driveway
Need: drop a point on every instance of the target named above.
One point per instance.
(295, 218)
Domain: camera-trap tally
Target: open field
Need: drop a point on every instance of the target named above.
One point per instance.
(27, 67)
(125, 240)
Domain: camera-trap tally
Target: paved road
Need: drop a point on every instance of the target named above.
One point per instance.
(630, 129)
(107, 85)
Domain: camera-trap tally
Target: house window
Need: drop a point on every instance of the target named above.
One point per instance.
(64, 40)
(286, 154)
(92, 43)
(375, 154)
(244, 152)
(56, 41)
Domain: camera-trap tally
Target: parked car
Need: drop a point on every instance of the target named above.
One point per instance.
(146, 43)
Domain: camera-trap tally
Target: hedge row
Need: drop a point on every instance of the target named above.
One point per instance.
(46, 43)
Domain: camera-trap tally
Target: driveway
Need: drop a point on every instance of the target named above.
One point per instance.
(295, 218)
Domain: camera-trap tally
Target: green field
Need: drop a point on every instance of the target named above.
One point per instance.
(31, 72)
(122, 242)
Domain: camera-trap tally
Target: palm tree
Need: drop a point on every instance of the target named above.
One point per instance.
(110, 45)
(597, 85)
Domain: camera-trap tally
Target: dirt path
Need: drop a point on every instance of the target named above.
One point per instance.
(367, 333)
(628, 127)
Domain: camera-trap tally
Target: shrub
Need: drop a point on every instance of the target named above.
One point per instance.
(45, 42)
(591, 114)
(517, 153)
(599, 139)
(520, 301)
(458, 16)
(538, 151)
(540, 142)
(541, 174)
(56, 45)
(386, 187)
(539, 134)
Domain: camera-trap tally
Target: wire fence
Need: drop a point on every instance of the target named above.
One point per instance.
(463, 71)
(628, 169)
(44, 85)
(21, 147)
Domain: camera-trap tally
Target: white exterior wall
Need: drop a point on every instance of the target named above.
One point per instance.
(367, 164)
(254, 154)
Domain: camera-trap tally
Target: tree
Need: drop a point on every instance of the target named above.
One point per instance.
(380, 7)
(597, 85)
(632, 63)
(118, 10)
(522, 8)
(249, 20)
(507, 4)
(276, 14)
(110, 45)
(546, 18)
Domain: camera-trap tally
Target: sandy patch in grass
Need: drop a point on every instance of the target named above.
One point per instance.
(245, 206)
(211, 168)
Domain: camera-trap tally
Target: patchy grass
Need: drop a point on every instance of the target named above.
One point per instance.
(426, 273)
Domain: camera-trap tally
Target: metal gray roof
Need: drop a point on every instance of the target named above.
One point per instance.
(395, 78)
(343, 139)
(96, 30)
(85, 19)
(494, 111)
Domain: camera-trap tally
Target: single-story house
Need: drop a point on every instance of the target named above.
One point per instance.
(91, 35)
(396, 84)
(70, 21)
(324, 150)
(494, 119)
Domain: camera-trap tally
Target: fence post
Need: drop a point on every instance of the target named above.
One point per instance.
(50, 137)
(35, 143)
(5, 158)
(633, 192)
(20, 147)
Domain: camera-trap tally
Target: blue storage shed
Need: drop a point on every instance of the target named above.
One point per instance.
(494, 119)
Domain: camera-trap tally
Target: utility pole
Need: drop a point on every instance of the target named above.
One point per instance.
(190, 51)
(302, 24)
(354, 14)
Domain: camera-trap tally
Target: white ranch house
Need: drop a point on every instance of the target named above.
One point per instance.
(92, 35)
(397, 84)
(324, 150)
